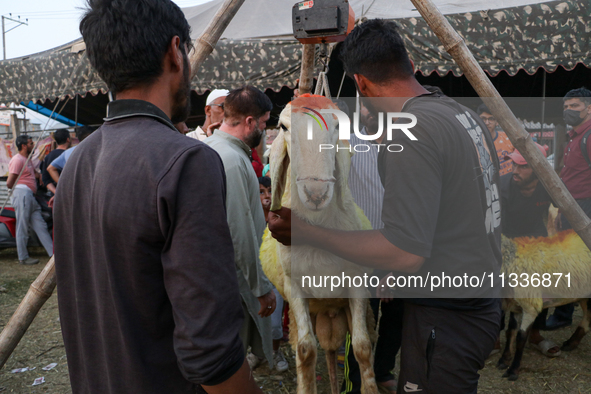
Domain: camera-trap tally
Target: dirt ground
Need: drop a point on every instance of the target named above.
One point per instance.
(42, 345)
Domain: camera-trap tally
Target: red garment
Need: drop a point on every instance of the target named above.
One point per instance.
(576, 173)
(257, 164)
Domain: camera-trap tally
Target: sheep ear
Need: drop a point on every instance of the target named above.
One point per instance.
(279, 161)
(342, 166)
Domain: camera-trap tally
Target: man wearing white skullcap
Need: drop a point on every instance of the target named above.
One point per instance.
(214, 113)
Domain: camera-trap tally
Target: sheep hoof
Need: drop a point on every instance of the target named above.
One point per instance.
(513, 377)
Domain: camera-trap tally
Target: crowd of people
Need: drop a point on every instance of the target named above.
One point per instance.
(157, 229)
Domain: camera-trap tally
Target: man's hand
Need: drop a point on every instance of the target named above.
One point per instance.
(384, 292)
(212, 127)
(268, 304)
(50, 202)
(280, 225)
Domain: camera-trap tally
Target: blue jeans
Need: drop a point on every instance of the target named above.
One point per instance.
(28, 213)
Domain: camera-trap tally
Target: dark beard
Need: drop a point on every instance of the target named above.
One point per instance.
(182, 97)
(254, 139)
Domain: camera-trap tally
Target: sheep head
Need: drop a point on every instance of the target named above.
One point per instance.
(315, 175)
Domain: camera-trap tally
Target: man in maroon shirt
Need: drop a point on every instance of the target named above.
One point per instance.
(576, 175)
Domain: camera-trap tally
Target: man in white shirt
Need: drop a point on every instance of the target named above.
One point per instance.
(214, 113)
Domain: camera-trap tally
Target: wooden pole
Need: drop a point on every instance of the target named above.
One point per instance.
(455, 45)
(307, 69)
(43, 286)
(22, 318)
(205, 44)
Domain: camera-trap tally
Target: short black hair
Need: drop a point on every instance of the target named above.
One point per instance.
(483, 108)
(376, 50)
(265, 181)
(126, 40)
(61, 136)
(21, 140)
(246, 101)
(83, 132)
(583, 94)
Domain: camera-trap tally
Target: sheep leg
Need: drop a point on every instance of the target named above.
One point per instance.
(509, 342)
(362, 345)
(331, 364)
(573, 342)
(306, 347)
(524, 329)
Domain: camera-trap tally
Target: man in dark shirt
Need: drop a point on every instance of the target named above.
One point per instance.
(524, 200)
(576, 175)
(441, 213)
(524, 207)
(148, 295)
(62, 139)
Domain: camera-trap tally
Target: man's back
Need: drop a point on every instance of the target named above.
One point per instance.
(441, 196)
(144, 262)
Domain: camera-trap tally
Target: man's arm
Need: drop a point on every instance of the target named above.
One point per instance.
(367, 248)
(244, 235)
(199, 272)
(412, 192)
(11, 179)
(53, 172)
(241, 382)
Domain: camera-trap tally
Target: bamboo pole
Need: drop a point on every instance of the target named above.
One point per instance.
(43, 286)
(455, 46)
(39, 291)
(307, 68)
(206, 42)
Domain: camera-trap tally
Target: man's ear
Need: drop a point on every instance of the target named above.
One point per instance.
(361, 82)
(208, 110)
(250, 121)
(176, 54)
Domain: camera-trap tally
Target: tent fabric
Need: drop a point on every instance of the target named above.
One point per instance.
(265, 64)
(257, 19)
(545, 34)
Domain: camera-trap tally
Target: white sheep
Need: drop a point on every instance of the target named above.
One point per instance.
(319, 195)
(564, 253)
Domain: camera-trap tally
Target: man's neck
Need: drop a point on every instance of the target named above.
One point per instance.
(583, 125)
(155, 94)
(236, 131)
(494, 134)
(397, 93)
(23, 153)
(64, 146)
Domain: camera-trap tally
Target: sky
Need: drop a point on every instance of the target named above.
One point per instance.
(51, 23)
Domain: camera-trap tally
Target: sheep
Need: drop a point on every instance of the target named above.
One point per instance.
(320, 196)
(563, 253)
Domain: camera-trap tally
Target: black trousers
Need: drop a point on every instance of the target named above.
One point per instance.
(390, 337)
(443, 349)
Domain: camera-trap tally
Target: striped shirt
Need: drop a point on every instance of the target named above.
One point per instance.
(364, 181)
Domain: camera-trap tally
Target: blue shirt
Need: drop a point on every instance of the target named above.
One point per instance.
(61, 160)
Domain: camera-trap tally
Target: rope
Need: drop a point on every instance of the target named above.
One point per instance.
(341, 86)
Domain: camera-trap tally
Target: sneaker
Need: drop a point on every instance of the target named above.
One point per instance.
(253, 361)
(279, 361)
(29, 261)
